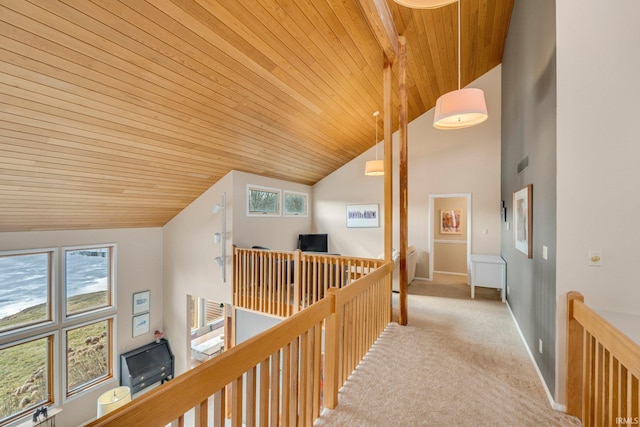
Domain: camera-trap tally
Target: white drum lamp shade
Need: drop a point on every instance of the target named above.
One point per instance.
(113, 399)
(374, 168)
(424, 4)
(460, 109)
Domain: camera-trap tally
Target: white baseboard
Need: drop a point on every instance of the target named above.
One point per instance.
(451, 273)
(552, 402)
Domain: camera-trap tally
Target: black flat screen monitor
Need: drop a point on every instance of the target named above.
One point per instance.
(313, 243)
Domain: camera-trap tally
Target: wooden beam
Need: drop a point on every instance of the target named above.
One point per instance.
(380, 20)
(388, 165)
(403, 171)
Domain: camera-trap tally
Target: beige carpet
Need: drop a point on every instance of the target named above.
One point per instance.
(459, 362)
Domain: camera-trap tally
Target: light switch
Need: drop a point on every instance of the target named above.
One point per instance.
(544, 252)
(508, 226)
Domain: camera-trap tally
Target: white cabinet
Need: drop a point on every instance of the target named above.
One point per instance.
(488, 271)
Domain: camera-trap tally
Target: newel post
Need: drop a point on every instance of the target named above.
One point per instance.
(332, 353)
(575, 357)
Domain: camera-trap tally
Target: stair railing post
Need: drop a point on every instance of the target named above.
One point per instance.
(332, 353)
(575, 357)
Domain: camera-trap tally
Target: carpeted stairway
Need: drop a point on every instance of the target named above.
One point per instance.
(459, 362)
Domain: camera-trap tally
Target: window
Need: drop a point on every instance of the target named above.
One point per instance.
(25, 289)
(35, 337)
(295, 204)
(263, 201)
(25, 377)
(205, 312)
(88, 278)
(88, 355)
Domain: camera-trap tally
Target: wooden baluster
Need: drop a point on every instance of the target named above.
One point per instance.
(274, 399)
(236, 402)
(201, 414)
(264, 393)
(219, 400)
(250, 400)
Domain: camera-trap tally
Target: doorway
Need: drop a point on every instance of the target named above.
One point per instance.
(449, 233)
(208, 325)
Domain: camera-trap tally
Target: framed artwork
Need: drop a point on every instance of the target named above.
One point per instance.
(140, 302)
(140, 324)
(522, 210)
(362, 216)
(450, 221)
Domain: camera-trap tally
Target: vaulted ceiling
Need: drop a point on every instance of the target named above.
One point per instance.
(121, 113)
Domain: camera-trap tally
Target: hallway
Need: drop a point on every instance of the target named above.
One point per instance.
(458, 362)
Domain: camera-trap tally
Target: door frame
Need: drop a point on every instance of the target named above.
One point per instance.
(432, 198)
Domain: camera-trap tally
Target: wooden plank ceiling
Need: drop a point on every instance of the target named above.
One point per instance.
(121, 113)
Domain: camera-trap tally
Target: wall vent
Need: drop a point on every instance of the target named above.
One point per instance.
(523, 164)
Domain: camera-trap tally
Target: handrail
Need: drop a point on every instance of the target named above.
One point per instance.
(603, 368)
(276, 377)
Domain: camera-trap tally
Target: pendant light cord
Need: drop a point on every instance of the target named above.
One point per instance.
(376, 141)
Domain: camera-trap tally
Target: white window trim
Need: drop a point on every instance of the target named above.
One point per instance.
(295, 193)
(8, 335)
(115, 371)
(266, 189)
(54, 364)
(66, 317)
(60, 323)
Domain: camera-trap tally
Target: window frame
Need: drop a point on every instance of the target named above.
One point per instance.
(51, 292)
(297, 194)
(277, 191)
(52, 376)
(111, 281)
(111, 358)
(60, 322)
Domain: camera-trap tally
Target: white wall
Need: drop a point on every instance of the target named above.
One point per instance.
(189, 266)
(276, 233)
(598, 56)
(440, 162)
(139, 268)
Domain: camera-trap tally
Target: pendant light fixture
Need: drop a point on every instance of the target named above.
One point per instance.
(375, 167)
(460, 108)
(424, 4)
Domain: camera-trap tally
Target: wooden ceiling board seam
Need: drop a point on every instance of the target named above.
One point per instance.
(169, 138)
(230, 50)
(332, 74)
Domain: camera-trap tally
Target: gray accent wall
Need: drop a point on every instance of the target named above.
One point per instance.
(529, 130)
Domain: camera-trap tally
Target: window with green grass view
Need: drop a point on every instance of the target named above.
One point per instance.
(25, 289)
(263, 201)
(295, 204)
(87, 355)
(36, 336)
(25, 377)
(88, 279)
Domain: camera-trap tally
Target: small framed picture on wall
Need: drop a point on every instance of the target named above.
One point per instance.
(140, 324)
(522, 210)
(141, 302)
(450, 221)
